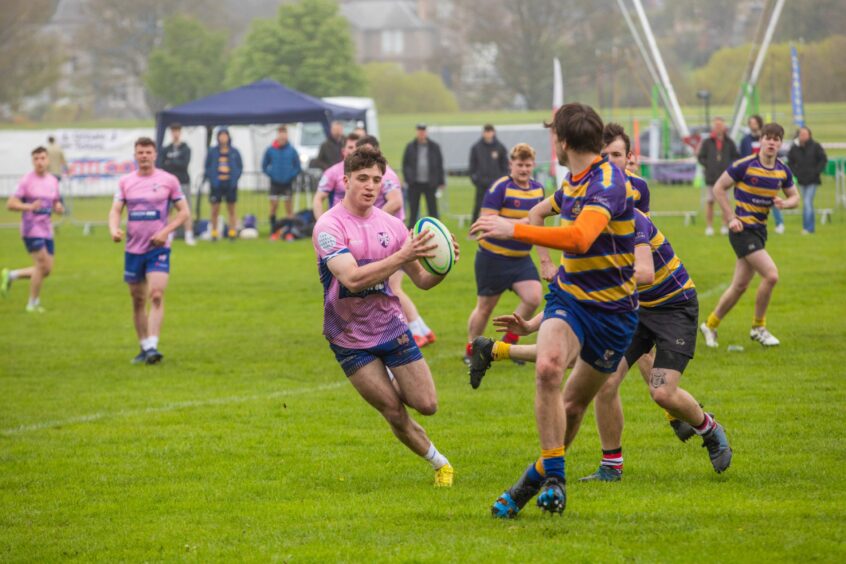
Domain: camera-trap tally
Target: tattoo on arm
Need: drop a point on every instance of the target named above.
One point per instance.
(658, 378)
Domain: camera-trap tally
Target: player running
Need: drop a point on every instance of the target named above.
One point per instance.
(507, 264)
(359, 247)
(591, 308)
(37, 197)
(667, 320)
(757, 180)
(147, 194)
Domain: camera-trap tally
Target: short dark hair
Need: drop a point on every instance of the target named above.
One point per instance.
(579, 126)
(612, 131)
(364, 157)
(758, 119)
(145, 142)
(282, 127)
(51, 139)
(37, 150)
(489, 127)
(806, 128)
(175, 125)
(351, 136)
(773, 131)
(368, 140)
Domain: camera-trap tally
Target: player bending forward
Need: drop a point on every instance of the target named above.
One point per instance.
(359, 247)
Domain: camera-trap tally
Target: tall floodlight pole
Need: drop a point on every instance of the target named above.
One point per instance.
(557, 102)
(756, 70)
(662, 70)
(650, 66)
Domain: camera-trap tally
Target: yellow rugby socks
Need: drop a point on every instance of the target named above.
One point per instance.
(759, 321)
(713, 321)
(501, 350)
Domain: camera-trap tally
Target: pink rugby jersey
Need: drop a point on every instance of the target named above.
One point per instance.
(332, 183)
(148, 200)
(45, 191)
(373, 316)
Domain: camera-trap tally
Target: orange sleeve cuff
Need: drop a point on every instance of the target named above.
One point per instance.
(576, 238)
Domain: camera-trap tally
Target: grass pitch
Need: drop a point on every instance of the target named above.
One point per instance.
(247, 443)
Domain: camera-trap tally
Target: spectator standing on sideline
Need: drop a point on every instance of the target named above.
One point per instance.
(281, 163)
(716, 153)
(750, 145)
(423, 172)
(56, 159)
(223, 169)
(330, 150)
(175, 159)
(807, 160)
(488, 163)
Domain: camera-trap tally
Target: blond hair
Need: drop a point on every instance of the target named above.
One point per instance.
(522, 152)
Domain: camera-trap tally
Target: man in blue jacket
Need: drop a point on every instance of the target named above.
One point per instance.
(223, 169)
(281, 163)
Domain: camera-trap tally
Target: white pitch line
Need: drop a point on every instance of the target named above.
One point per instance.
(715, 290)
(164, 409)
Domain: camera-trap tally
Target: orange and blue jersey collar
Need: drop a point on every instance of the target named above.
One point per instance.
(596, 162)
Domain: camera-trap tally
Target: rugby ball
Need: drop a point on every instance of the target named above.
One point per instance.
(249, 233)
(444, 258)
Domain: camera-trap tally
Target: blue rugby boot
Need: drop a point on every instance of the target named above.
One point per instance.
(509, 504)
(553, 495)
(604, 474)
(719, 450)
(140, 358)
(154, 356)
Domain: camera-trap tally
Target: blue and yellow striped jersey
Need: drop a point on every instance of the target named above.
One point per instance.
(755, 187)
(603, 277)
(509, 200)
(641, 192)
(672, 283)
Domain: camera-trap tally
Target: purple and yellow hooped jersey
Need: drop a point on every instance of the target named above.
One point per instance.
(672, 283)
(755, 188)
(641, 192)
(603, 277)
(509, 200)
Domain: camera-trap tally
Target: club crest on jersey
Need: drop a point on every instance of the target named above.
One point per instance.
(516, 203)
(753, 180)
(383, 238)
(576, 209)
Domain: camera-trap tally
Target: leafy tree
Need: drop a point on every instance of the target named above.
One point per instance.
(189, 63)
(307, 47)
(396, 91)
(30, 58)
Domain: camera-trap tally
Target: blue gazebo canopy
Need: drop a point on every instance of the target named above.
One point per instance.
(262, 102)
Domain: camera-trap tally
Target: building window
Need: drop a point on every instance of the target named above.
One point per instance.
(392, 43)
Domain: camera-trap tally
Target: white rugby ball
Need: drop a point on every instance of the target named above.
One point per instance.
(444, 252)
(249, 233)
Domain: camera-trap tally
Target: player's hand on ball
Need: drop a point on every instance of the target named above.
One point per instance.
(512, 324)
(419, 246)
(159, 239)
(117, 235)
(455, 247)
(735, 225)
(492, 226)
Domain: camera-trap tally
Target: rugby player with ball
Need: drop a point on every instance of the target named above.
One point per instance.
(358, 248)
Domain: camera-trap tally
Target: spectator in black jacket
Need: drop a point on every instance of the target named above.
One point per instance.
(488, 163)
(716, 153)
(423, 172)
(807, 160)
(175, 159)
(330, 150)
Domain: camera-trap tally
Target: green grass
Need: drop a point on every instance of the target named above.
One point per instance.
(247, 443)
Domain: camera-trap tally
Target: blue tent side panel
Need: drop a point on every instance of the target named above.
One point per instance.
(262, 102)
